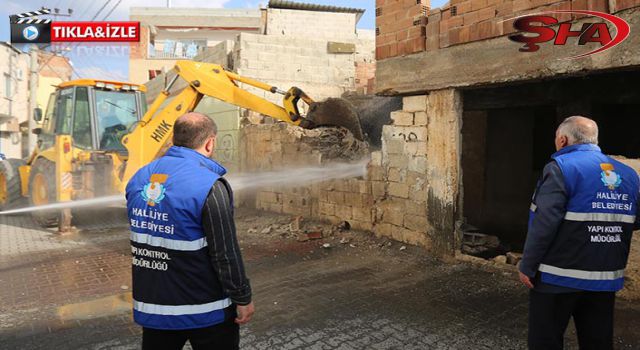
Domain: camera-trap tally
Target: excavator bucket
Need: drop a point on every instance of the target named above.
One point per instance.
(336, 112)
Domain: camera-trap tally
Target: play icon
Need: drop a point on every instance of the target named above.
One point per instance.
(30, 33)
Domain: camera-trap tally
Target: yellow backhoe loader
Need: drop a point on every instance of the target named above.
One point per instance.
(96, 134)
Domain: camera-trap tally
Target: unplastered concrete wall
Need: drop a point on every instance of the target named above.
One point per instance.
(286, 61)
(310, 24)
(410, 189)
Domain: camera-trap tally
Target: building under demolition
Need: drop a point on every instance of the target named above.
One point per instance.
(476, 127)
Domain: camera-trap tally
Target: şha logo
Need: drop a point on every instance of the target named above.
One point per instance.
(591, 32)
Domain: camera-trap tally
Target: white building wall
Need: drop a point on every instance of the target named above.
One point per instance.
(14, 103)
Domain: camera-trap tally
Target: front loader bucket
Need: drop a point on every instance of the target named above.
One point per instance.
(336, 112)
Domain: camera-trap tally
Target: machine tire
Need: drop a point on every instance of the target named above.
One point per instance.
(10, 186)
(42, 186)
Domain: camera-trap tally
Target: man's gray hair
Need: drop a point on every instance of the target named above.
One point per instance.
(579, 130)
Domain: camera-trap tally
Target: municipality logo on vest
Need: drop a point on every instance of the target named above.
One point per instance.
(609, 177)
(31, 33)
(153, 192)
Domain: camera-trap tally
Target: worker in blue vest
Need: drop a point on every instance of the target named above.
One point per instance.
(189, 281)
(581, 220)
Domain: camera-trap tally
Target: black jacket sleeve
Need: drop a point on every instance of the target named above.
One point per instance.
(220, 231)
(551, 206)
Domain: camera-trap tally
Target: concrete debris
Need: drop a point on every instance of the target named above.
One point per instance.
(266, 230)
(326, 246)
(344, 240)
(308, 236)
(500, 259)
(513, 258)
(481, 245)
(333, 143)
(294, 226)
(403, 248)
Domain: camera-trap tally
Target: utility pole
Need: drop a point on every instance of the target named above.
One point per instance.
(33, 94)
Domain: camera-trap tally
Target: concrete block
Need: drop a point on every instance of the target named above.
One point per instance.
(404, 133)
(378, 189)
(395, 217)
(418, 148)
(376, 158)
(416, 223)
(398, 190)
(414, 103)
(397, 175)
(361, 225)
(335, 197)
(361, 186)
(420, 118)
(418, 195)
(274, 207)
(327, 208)
(363, 214)
(417, 208)
(398, 161)
(353, 199)
(375, 173)
(418, 164)
(344, 212)
(402, 118)
(393, 146)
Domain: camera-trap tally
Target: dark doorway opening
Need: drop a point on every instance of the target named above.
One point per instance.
(507, 138)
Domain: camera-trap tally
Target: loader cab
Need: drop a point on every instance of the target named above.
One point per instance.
(97, 114)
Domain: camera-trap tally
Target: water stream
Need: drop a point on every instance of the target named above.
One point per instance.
(285, 177)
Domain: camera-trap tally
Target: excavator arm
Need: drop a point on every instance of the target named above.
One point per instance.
(147, 140)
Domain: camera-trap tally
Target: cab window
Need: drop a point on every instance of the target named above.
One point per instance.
(64, 110)
(82, 119)
(116, 113)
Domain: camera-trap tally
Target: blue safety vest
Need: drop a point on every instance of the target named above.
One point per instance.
(592, 244)
(174, 283)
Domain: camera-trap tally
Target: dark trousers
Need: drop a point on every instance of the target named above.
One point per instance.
(592, 313)
(224, 336)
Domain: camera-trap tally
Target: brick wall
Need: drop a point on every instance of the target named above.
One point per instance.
(462, 21)
(396, 198)
(400, 27)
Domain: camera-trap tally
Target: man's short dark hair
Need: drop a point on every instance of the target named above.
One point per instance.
(193, 129)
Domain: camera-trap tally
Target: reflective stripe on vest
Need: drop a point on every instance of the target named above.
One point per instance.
(168, 243)
(598, 281)
(175, 310)
(605, 217)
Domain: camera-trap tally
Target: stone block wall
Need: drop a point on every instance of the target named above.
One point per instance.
(310, 24)
(286, 61)
(409, 192)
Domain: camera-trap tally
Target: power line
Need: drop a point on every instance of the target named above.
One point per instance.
(113, 8)
(100, 10)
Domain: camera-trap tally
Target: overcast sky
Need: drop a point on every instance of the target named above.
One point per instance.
(115, 65)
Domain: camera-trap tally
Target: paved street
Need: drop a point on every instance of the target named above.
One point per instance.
(72, 292)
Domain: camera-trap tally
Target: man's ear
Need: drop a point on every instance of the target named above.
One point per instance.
(210, 145)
